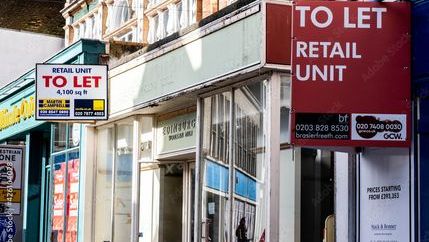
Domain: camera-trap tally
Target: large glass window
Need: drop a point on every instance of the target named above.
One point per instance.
(123, 182)
(250, 162)
(103, 184)
(60, 136)
(113, 184)
(234, 165)
(216, 146)
(65, 161)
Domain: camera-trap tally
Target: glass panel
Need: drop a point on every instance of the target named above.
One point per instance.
(171, 201)
(149, 203)
(146, 139)
(59, 174)
(74, 135)
(59, 136)
(103, 185)
(72, 196)
(215, 206)
(249, 217)
(161, 200)
(284, 109)
(123, 182)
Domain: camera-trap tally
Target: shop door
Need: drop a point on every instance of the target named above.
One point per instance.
(161, 200)
(167, 194)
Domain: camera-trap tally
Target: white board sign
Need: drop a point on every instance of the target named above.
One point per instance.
(71, 92)
(11, 160)
(384, 195)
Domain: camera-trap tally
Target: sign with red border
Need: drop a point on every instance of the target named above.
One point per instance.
(351, 74)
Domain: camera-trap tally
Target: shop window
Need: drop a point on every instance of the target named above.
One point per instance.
(146, 139)
(65, 201)
(248, 160)
(60, 136)
(103, 184)
(66, 136)
(74, 135)
(113, 182)
(123, 182)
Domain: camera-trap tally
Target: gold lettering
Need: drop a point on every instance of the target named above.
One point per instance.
(23, 111)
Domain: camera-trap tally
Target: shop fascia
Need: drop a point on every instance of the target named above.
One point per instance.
(20, 112)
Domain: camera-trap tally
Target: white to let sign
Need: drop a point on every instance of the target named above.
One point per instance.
(384, 195)
(71, 92)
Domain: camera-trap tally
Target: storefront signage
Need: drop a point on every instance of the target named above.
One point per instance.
(177, 133)
(384, 195)
(17, 113)
(71, 92)
(351, 74)
(11, 159)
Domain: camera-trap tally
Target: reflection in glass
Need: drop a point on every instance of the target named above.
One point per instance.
(123, 182)
(72, 196)
(249, 162)
(161, 202)
(216, 172)
(59, 177)
(248, 159)
(74, 135)
(103, 185)
(60, 134)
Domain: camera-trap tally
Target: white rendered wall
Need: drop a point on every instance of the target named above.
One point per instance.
(19, 51)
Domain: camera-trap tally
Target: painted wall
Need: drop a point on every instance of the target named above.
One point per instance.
(209, 57)
(20, 50)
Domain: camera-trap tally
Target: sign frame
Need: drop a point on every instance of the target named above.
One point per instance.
(82, 120)
(361, 92)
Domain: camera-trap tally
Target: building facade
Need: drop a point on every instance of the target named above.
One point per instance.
(54, 177)
(197, 145)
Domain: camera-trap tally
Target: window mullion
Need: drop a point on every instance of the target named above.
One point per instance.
(231, 164)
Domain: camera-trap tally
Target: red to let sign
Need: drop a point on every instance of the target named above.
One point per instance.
(351, 74)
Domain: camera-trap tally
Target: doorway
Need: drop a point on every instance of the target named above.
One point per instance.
(167, 201)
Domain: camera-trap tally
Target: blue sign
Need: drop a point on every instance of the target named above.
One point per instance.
(7, 228)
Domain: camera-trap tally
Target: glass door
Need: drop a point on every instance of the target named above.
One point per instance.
(189, 201)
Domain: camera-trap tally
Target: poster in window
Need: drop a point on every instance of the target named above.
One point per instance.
(58, 202)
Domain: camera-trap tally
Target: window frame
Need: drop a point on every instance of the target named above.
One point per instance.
(272, 95)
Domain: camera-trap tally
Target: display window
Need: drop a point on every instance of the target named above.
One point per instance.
(234, 197)
(65, 180)
(113, 182)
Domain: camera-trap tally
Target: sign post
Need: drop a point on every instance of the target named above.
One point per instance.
(71, 92)
(351, 74)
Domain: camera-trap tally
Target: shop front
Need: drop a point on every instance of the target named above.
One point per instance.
(198, 147)
(54, 169)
